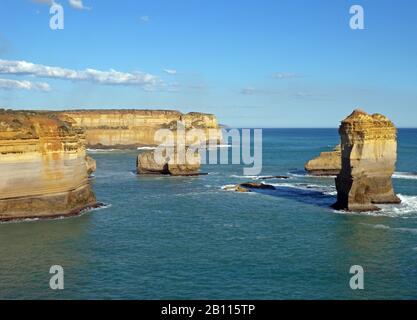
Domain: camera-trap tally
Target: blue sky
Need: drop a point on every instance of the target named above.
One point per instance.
(255, 63)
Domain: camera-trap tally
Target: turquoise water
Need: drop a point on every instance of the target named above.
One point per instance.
(186, 238)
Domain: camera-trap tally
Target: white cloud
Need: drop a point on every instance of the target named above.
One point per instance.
(111, 77)
(170, 71)
(145, 18)
(25, 85)
(286, 75)
(252, 91)
(78, 4)
(48, 2)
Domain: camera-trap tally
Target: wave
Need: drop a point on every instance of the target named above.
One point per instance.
(304, 174)
(406, 209)
(385, 227)
(396, 175)
(325, 190)
(256, 177)
(405, 175)
(100, 150)
(146, 148)
(102, 206)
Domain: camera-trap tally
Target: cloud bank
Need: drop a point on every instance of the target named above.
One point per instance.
(170, 71)
(286, 75)
(78, 4)
(111, 77)
(25, 85)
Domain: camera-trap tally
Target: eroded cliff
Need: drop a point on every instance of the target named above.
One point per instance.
(135, 128)
(43, 170)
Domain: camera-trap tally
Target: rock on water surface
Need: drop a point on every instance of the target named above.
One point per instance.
(369, 154)
(147, 164)
(327, 163)
(43, 170)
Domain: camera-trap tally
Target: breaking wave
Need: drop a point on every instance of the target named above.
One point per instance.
(256, 177)
(385, 227)
(64, 217)
(405, 175)
(406, 209)
(146, 148)
(100, 150)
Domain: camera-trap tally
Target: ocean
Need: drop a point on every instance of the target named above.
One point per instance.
(163, 237)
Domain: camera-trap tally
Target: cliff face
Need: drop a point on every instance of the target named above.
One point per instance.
(133, 128)
(326, 164)
(369, 154)
(43, 170)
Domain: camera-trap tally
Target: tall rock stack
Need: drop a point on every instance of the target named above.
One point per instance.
(369, 154)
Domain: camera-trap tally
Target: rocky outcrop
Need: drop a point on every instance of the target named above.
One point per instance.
(43, 170)
(91, 165)
(148, 163)
(328, 163)
(369, 154)
(136, 128)
(248, 187)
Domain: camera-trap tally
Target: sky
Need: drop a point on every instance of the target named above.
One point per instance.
(253, 63)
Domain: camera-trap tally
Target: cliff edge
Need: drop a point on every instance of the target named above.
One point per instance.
(43, 169)
(124, 128)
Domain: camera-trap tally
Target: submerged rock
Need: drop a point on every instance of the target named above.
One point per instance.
(170, 165)
(273, 177)
(369, 154)
(43, 169)
(328, 163)
(247, 186)
(255, 185)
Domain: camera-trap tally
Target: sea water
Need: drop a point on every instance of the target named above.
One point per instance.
(166, 237)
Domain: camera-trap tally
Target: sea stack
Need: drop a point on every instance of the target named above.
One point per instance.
(328, 163)
(149, 163)
(369, 154)
(43, 169)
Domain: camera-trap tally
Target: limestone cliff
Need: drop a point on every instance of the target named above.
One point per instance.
(134, 128)
(43, 170)
(327, 163)
(369, 154)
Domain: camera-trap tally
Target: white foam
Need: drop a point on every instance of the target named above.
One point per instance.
(324, 189)
(306, 175)
(406, 209)
(228, 187)
(385, 227)
(100, 150)
(146, 148)
(256, 177)
(405, 175)
(82, 212)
